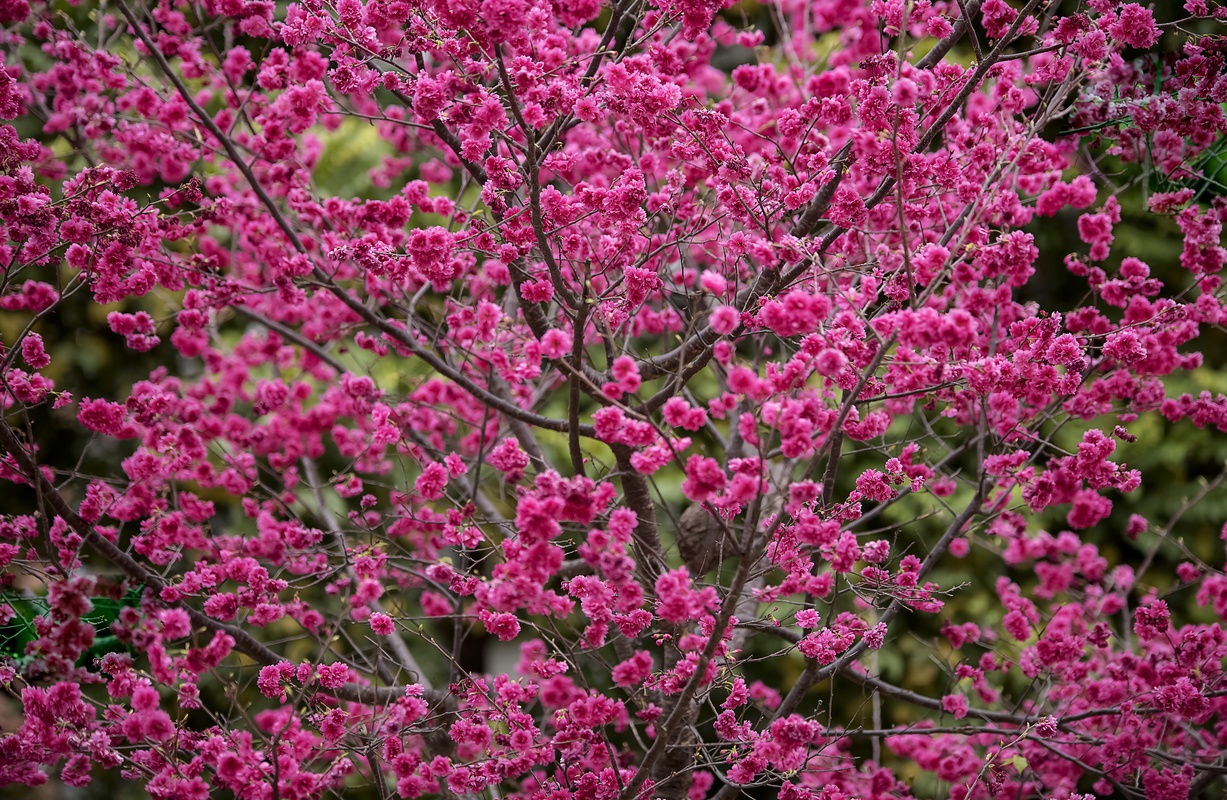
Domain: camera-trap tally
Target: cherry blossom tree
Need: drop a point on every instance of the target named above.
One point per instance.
(699, 361)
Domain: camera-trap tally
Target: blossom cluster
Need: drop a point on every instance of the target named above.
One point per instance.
(685, 359)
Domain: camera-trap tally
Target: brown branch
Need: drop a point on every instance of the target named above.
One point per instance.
(650, 556)
(532, 166)
(908, 696)
(294, 336)
(961, 26)
(822, 200)
(400, 335)
(814, 673)
(690, 349)
(244, 642)
(403, 654)
(683, 707)
(573, 387)
(616, 19)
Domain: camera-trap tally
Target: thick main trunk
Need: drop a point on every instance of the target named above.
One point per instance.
(674, 772)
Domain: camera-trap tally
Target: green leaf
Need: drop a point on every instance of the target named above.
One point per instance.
(102, 646)
(1019, 762)
(19, 631)
(104, 613)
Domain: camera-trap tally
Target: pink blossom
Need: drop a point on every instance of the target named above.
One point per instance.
(431, 483)
(875, 637)
(955, 704)
(724, 320)
(504, 626)
(32, 351)
(101, 416)
(271, 680)
(634, 670)
(332, 676)
(1135, 26)
(847, 208)
(1151, 621)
